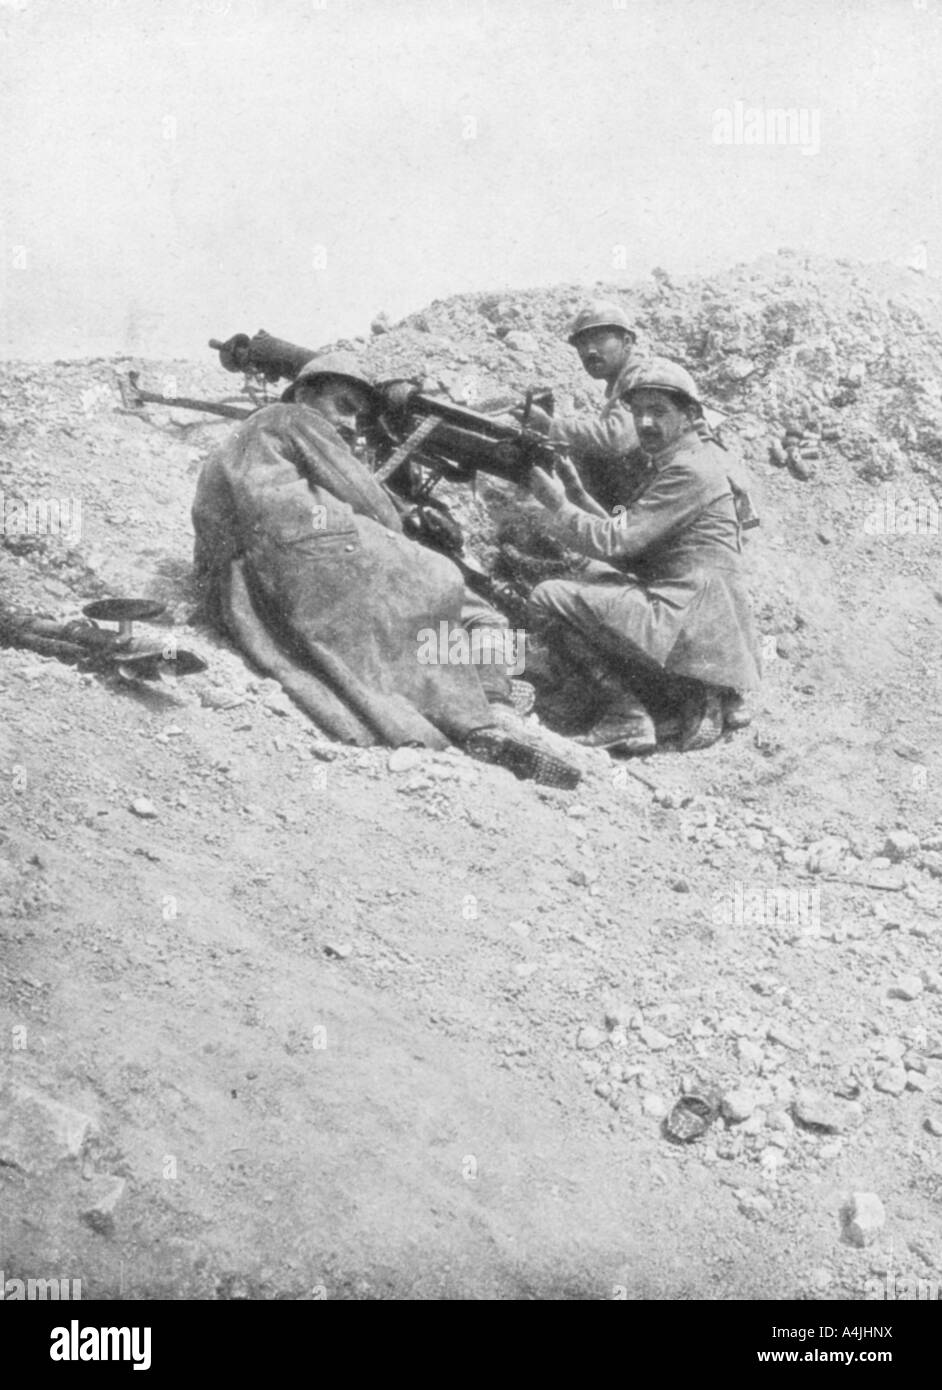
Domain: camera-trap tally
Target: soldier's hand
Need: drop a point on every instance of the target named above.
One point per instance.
(566, 471)
(538, 419)
(547, 490)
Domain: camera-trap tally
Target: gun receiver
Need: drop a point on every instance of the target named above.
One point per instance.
(454, 440)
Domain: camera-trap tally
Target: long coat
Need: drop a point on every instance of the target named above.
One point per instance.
(302, 560)
(679, 602)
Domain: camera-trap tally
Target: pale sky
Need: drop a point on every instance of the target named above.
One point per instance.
(179, 169)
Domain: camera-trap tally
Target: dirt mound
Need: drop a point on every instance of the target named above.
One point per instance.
(327, 1029)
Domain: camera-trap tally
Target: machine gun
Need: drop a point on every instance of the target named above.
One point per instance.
(82, 642)
(450, 440)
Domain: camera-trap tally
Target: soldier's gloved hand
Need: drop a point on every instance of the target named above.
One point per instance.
(433, 527)
(547, 490)
(538, 419)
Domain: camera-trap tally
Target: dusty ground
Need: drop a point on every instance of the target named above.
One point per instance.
(332, 1030)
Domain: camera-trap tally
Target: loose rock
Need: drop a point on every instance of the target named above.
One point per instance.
(891, 1080)
(900, 844)
(816, 1112)
(38, 1133)
(404, 759)
(907, 987)
(99, 1213)
(863, 1217)
(738, 1105)
(654, 1106)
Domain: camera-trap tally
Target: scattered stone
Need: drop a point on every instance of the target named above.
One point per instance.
(863, 1216)
(778, 1033)
(900, 844)
(618, 1015)
(589, 1038)
(749, 1052)
(654, 1039)
(404, 759)
(738, 1105)
(821, 1279)
(521, 341)
(815, 1112)
(217, 697)
(753, 1204)
(37, 1133)
(654, 1106)
(891, 1080)
(934, 1126)
(99, 1212)
(279, 703)
(144, 808)
(324, 752)
(907, 987)
(826, 856)
(338, 949)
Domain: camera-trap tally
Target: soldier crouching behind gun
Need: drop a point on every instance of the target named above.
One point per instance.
(665, 623)
(301, 558)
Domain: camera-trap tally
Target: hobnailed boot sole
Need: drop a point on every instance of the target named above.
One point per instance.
(703, 724)
(522, 756)
(631, 739)
(736, 713)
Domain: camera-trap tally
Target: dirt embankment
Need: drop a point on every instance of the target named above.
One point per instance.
(325, 1029)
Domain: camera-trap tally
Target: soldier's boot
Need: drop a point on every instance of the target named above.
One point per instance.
(702, 719)
(622, 723)
(737, 710)
(509, 743)
(625, 727)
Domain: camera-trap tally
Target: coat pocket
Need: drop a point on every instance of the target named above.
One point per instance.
(323, 545)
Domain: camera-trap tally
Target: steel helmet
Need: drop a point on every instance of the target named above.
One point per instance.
(337, 364)
(660, 374)
(600, 314)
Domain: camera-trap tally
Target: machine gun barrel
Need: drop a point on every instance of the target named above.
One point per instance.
(263, 355)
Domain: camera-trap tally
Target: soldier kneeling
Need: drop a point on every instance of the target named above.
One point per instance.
(664, 624)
